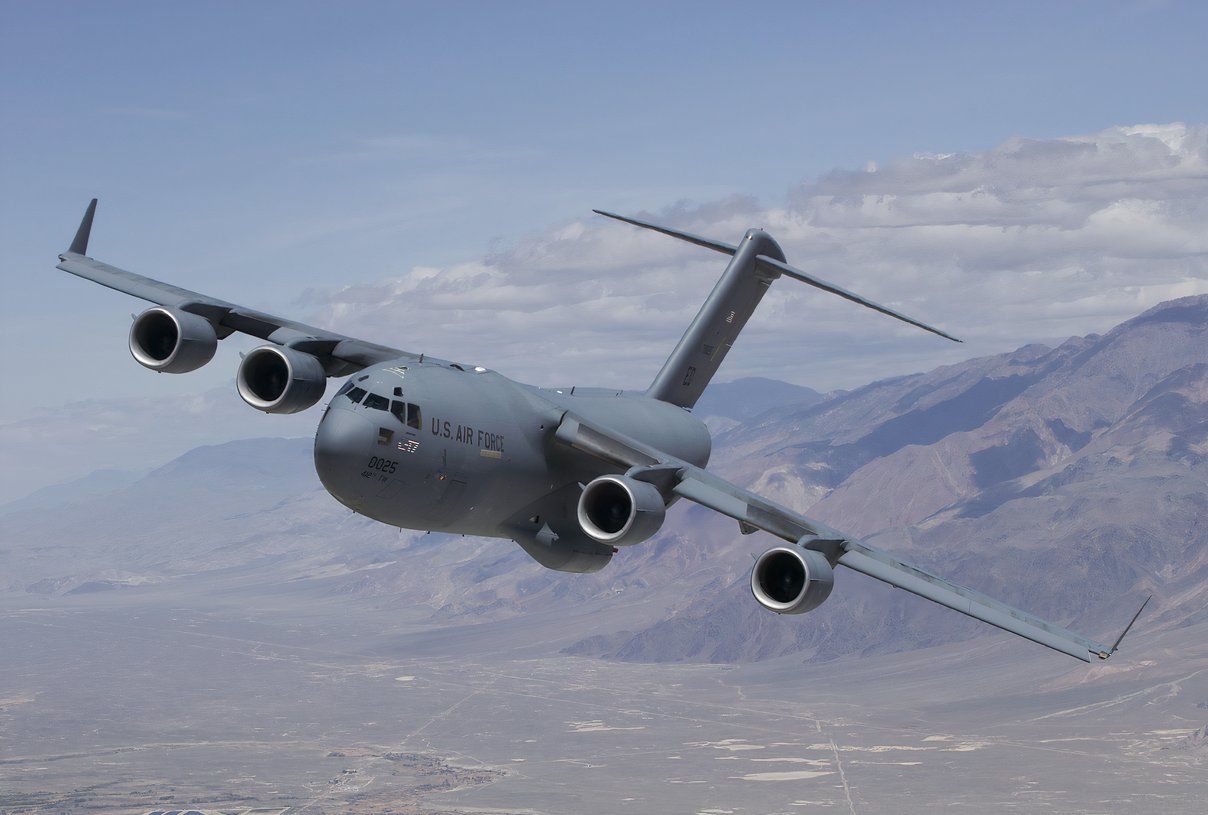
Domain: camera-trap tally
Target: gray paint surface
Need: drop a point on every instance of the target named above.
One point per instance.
(485, 455)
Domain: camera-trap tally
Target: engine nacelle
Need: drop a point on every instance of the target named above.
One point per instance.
(620, 511)
(280, 380)
(791, 579)
(172, 341)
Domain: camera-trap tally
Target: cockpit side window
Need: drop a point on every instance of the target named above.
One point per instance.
(413, 417)
(356, 394)
(377, 402)
(345, 388)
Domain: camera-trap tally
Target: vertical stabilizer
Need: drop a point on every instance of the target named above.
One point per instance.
(705, 344)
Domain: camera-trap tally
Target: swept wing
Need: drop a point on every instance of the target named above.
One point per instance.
(341, 355)
(679, 478)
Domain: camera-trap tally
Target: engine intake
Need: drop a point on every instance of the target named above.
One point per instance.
(791, 579)
(280, 380)
(619, 510)
(172, 341)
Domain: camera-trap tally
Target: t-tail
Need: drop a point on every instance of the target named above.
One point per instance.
(756, 261)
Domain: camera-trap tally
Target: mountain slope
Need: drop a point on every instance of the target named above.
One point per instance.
(1070, 481)
(744, 399)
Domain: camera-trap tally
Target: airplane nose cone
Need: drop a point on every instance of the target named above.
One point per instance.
(342, 443)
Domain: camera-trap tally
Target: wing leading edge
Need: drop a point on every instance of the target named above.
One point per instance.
(754, 512)
(341, 354)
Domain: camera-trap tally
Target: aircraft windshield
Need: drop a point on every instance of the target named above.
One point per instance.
(406, 413)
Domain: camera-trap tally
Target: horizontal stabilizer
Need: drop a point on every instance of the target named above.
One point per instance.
(779, 267)
(773, 267)
(716, 246)
(79, 245)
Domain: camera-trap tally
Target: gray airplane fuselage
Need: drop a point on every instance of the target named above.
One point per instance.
(433, 446)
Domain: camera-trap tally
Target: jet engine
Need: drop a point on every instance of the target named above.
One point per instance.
(276, 379)
(172, 341)
(791, 579)
(618, 510)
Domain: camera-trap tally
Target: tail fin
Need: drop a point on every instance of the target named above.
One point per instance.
(757, 261)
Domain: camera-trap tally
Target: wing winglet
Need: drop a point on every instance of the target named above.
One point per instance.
(79, 244)
(1119, 639)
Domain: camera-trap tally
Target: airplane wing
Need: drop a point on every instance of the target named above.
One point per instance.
(341, 355)
(679, 478)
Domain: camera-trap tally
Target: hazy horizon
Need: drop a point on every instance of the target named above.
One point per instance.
(189, 619)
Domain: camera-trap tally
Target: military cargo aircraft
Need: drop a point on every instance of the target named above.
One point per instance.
(569, 474)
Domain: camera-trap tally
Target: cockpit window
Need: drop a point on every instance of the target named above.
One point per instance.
(406, 413)
(356, 394)
(345, 388)
(376, 402)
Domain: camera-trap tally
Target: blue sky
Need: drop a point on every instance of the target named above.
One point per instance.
(261, 151)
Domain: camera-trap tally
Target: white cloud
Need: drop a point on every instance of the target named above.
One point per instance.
(1032, 240)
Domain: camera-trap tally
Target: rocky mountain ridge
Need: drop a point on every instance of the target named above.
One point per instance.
(1070, 481)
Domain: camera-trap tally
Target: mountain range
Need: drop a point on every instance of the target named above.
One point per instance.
(1071, 481)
